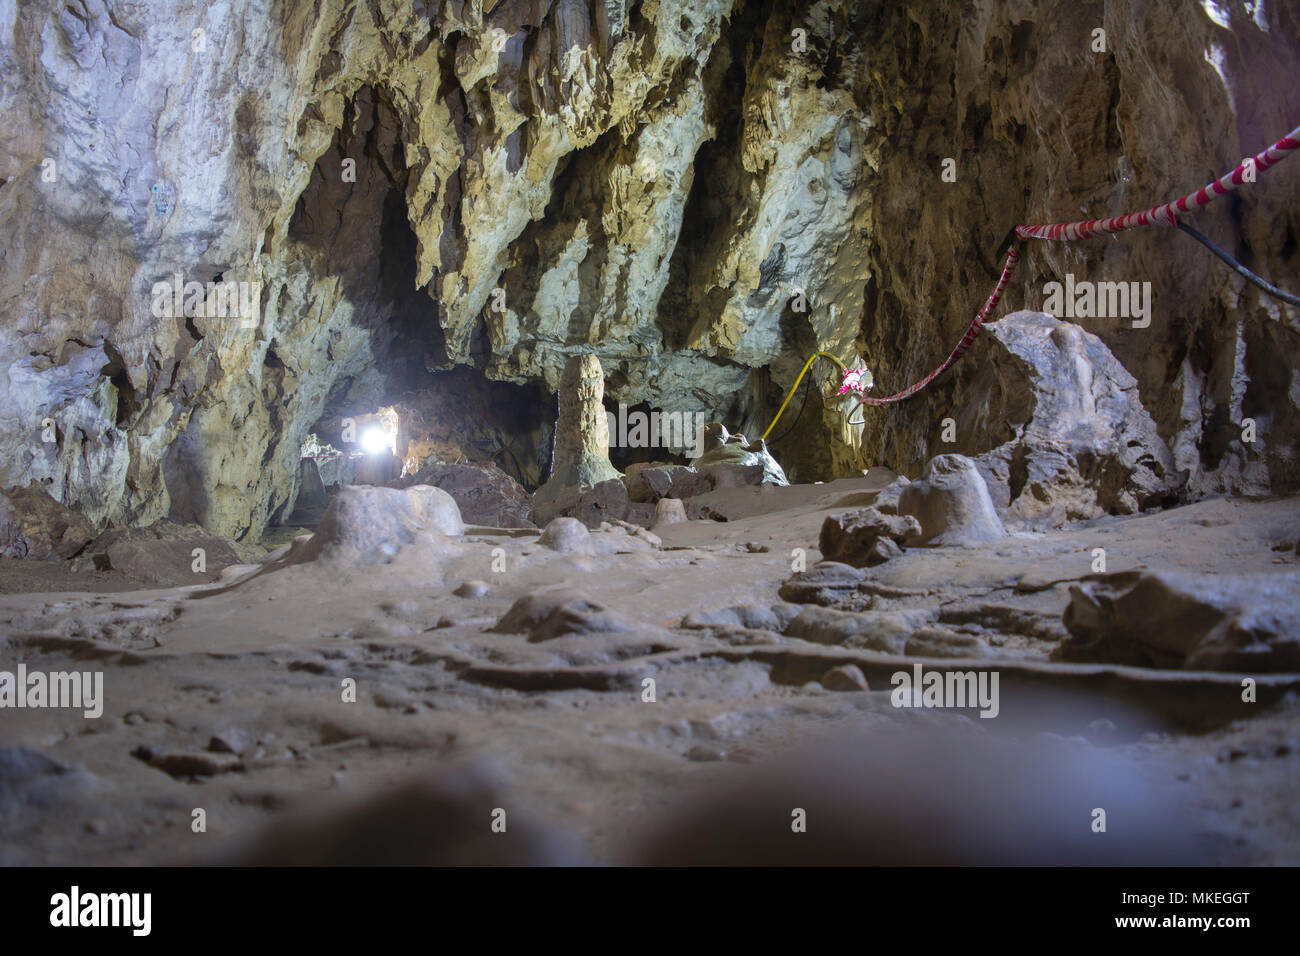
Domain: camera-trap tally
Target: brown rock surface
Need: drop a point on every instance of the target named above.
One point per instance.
(35, 525)
(485, 494)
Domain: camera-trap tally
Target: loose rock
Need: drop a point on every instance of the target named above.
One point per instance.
(866, 537)
(845, 677)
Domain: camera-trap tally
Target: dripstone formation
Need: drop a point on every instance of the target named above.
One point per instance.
(580, 460)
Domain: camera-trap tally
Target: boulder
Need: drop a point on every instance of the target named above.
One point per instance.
(607, 501)
(165, 554)
(1078, 442)
(773, 617)
(368, 525)
(544, 615)
(566, 535)
(952, 504)
(865, 537)
(722, 448)
(485, 494)
(885, 631)
(826, 582)
(1236, 622)
(650, 482)
(35, 525)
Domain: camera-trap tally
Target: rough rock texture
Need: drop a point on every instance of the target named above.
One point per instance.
(734, 450)
(580, 460)
(1245, 623)
(164, 554)
(649, 677)
(557, 612)
(952, 504)
(366, 525)
(34, 525)
(650, 481)
(607, 501)
(436, 205)
(485, 494)
(1080, 443)
(1044, 129)
(825, 583)
(866, 537)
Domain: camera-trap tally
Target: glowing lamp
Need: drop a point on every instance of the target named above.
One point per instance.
(376, 440)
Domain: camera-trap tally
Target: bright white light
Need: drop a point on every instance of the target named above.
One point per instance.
(375, 440)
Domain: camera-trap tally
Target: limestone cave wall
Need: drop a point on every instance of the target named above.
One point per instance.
(436, 203)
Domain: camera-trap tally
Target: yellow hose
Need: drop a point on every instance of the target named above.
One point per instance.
(794, 388)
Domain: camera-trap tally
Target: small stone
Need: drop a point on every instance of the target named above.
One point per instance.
(230, 741)
(192, 764)
(824, 583)
(472, 589)
(566, 535)
(845, 677)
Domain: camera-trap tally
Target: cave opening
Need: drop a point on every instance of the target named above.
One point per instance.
(397, 371)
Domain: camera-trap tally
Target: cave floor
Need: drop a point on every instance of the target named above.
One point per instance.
(562, 727)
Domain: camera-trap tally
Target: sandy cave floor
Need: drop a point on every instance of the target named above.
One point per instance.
(560, 727)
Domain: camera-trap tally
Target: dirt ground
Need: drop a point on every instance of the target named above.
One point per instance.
(227, 732)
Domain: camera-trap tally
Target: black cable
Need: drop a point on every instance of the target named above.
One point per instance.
(1238, 267)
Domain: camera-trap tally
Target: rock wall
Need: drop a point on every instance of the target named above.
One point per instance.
(1044, 129)
(421, 195)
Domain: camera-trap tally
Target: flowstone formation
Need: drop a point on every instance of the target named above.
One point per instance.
(1079, 442)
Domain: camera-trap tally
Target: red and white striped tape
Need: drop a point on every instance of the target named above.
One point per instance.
(1165, 215)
